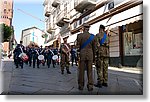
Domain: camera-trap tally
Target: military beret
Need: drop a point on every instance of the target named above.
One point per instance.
(101, 27)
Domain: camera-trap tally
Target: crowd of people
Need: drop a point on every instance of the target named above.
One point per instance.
(89, 49)
(33, 52)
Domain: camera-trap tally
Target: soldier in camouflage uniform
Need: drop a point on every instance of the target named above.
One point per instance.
(102, 57)
(65, 53)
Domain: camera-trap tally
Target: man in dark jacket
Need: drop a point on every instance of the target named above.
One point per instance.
(18, 50)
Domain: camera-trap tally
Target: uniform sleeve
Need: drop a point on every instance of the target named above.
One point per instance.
(94, 47)
(77, 44)
(107, 41)
(96, 43)
(108, 44)
(62, 48)
(15, 50)
(24, 50)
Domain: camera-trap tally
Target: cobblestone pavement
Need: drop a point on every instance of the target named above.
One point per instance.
(50, 81)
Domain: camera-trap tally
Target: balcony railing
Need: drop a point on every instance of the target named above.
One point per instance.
(81, 5)
(60, 18)
(47, 11)
(55, 3)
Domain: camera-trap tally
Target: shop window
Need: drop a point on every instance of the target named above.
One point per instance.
(133, 43)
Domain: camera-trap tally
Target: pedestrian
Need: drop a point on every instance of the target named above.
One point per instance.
(86, 47)
(48, 55)
(36, 52)
(73, 55)
(18, 50)
(30, 54)
(102, 57)
(65, 53)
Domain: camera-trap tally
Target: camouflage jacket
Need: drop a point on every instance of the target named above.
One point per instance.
(101, 50)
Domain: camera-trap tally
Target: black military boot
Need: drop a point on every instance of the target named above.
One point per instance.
(105, 84)
(62, 72)
(68, 72)
(99, 85)
(16, 66)
(90, 88)
(80, 88)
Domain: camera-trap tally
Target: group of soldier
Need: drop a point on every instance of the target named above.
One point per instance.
(93, 49)
(32, 53)
(89, 49)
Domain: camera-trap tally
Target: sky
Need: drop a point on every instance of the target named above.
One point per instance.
(22, 21)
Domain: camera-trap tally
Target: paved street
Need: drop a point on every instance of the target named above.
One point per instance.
(50, 81)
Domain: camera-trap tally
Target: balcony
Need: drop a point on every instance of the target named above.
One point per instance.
(62, 18)
(55, 3)
(50, 30)
(82, 5)
(47, 12)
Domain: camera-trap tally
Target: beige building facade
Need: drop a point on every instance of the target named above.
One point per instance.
(6, 16)
(32, 35)
(123, 20)
(6, 12)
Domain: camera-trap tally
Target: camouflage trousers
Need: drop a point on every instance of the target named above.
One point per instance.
(64, 62)
(102, 69)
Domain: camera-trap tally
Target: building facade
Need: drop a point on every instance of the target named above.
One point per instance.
(58, 14)
(6, 16)
(32, 35)
(6, 12)
(123, 20)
